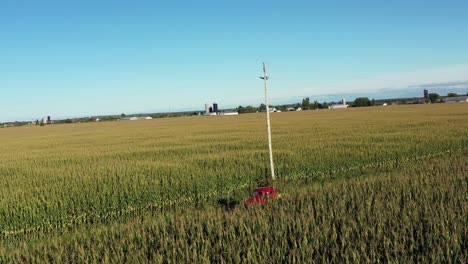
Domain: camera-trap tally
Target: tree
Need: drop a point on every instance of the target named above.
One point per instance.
(283, 108)
(323, 105)
(305, 103)
(247, 109)
(122, 115)
(315, 105)
(362, 101)
(452, 94)
(433, 97)
(262, 108)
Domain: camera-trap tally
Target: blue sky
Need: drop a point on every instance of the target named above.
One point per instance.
(78, 58)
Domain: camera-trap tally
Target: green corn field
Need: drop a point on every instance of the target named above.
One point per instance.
(359, 185)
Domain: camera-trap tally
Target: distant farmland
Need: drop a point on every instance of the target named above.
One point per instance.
(373, 184)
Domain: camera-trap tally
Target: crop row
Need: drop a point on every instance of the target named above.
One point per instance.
(416, 213)
(211, 196)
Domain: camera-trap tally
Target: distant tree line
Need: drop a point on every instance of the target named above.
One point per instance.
(307, 104)
(247, 109)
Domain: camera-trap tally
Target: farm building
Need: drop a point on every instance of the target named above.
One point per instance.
(134, 118)
(272, 109)
(456, 99)
(339, 106)
(292, 109)
(229, 113)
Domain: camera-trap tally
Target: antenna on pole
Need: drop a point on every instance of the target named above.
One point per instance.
(265, 78)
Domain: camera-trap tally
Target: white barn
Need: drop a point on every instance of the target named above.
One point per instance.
(230, 113)
(339, 106)
(456, 99)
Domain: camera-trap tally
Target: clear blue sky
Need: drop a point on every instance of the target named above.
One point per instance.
(77, 58)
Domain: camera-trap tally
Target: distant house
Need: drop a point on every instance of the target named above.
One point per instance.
(290, 109)
(133, 118)
(272, 109)
(339, 106)
(299, 109)
(230, 113)
(456, 99)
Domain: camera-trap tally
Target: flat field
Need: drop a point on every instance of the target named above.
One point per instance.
(359, 185)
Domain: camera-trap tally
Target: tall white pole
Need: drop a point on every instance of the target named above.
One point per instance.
(265, 78)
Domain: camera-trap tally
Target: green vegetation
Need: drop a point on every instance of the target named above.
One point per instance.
(362, 101)
(434, 97)
(307, 105)
(381, 184)
(246, 110)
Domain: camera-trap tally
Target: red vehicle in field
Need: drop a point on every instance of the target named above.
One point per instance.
(262, 195)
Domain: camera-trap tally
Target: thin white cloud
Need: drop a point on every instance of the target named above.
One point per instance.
(453, 74)
(453, 85)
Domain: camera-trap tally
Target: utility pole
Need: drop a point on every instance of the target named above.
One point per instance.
(265, 78)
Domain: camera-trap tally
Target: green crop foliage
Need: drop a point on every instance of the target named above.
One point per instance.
(378, 184)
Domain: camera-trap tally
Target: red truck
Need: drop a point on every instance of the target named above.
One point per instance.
(261, 195)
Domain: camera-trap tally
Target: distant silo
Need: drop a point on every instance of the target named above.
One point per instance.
(48, 119)
(426, 94)
(207, 108)
(215, 107)
(211, 109)
(344, 101)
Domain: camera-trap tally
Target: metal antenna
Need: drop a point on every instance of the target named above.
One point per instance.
(265, 78)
